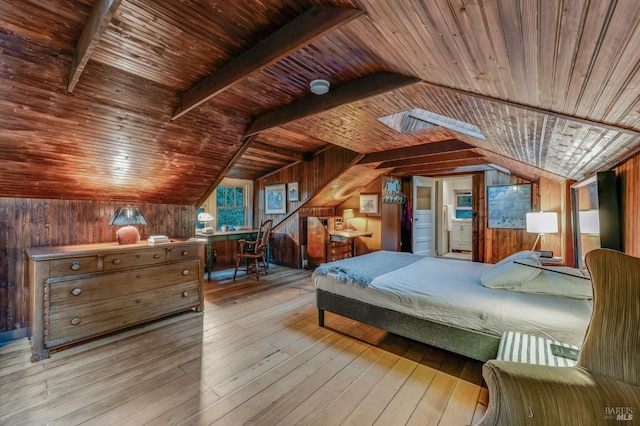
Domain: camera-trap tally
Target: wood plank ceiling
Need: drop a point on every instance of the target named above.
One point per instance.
(150, 100)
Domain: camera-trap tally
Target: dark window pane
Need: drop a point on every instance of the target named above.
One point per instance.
(464, 214)
(230, 217)
(239, 197)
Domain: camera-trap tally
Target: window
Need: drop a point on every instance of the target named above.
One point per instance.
(231, 203)
(463, 205)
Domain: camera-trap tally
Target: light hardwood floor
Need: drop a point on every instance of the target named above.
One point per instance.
(257, 357)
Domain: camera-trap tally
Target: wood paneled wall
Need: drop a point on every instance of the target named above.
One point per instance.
(311, 176)
(629, 186)
(493, 245)
(29, 222)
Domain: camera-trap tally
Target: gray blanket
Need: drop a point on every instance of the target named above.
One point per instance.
(363, 269)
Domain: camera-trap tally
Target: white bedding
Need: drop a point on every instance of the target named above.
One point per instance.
(450, 291)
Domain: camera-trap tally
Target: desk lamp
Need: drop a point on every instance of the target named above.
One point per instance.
(127, 216)
(542, 223)
(206, 218)
(348, 214)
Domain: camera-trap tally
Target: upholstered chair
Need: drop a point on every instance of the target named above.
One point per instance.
(604, 386)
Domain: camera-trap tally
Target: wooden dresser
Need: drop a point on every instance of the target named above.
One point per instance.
(83, 291)
(339, 249)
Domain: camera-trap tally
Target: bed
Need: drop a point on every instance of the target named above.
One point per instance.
(451, 304)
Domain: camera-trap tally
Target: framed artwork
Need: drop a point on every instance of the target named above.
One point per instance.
(292, 192)
(508, 205)
(275, 199)
(369, 203)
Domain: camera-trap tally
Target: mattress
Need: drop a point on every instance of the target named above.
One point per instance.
(450, 292)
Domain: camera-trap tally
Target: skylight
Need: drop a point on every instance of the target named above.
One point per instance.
(420, 119)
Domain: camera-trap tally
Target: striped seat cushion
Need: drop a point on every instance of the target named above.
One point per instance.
(520, 347)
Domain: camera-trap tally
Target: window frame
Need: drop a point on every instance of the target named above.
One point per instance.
(210, 205)
(456, 207)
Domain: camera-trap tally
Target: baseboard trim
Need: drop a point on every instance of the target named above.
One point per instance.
(8, 336)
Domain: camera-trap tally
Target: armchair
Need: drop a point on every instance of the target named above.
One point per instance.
(604, 386)
(251, 252)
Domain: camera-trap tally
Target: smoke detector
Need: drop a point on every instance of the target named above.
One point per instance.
(319, 87)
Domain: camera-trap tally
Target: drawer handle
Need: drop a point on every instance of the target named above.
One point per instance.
(75, 266)
(156, 256)
(75, 321)
(116, 261)
(185, 293)
(184, 253)
(185, 272)
(76, 292)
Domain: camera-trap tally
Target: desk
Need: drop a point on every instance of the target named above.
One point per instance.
(248, 234)
(349, 235)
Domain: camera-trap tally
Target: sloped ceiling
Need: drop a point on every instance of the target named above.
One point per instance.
(552, 85)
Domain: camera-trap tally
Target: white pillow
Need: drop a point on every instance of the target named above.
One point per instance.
(507, 274)
(558, 284)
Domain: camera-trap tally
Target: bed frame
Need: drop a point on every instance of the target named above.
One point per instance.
(470, 343)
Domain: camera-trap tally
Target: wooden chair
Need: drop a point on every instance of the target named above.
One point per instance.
(251, 252)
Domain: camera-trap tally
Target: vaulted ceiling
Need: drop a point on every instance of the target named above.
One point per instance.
(156, 100)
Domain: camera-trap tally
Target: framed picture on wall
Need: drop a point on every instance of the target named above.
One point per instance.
(508, 205)
(275, 197)
(369, 203)
(293, 194)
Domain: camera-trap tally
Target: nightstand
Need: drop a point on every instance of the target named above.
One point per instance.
(528, 349)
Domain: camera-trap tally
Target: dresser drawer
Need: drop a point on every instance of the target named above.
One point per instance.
(132, 259)
(66, 293)
(73, 266)
(333, 258)
(183, 251)
(92, 319)
(339, 250)
(339, 244)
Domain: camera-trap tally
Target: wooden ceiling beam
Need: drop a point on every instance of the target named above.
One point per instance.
(246, 143)
(431, 158)
(447, 171)
(275, 152)
(582, 120)
(302, 31)
(99, 19)
(372, 85)
(418, 150)
(439, 166)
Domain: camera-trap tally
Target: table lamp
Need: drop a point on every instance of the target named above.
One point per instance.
(542, 223)
(127, 216)
(206, 218)
(348, 214)
(589, 222)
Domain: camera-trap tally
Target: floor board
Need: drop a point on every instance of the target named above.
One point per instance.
(256, 356)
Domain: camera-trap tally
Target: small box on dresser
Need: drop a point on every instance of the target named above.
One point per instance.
(85, 291)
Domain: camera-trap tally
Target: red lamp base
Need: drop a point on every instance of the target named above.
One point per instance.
(127, 235)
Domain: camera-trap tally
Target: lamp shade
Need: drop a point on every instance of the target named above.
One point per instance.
(204, 217)
(589, 222)
(542, 222)
(127, 216)
(348, 214)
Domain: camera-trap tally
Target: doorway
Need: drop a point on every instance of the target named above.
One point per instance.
(454, 223)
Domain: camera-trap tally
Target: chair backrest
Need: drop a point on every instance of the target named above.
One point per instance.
(263, 240)
(612, 344)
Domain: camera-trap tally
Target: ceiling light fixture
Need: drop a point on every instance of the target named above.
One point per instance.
(319, 87)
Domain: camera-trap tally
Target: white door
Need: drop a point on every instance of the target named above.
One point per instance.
(423, 216)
